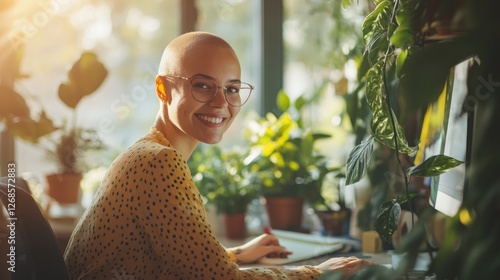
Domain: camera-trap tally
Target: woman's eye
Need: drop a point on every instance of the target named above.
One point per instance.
(200, 85)
(233, 90)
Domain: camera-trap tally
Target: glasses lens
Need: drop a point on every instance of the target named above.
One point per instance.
(204, 90)
(238, 93)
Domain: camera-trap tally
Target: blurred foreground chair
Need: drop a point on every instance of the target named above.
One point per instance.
(37, 252)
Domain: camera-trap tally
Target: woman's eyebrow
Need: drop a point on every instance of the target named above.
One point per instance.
(211, 78)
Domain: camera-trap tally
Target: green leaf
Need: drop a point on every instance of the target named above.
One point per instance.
(402, 38)
(377, 20)
(388, 219)
(283, 101)
(382, 127)
(318, 136)
(426, 71)
(434, 166)
(401, 199)
(400, 60)
(364, 66)
(306, 145)
(346, 3)
(85, 77)
(359, 160)
(300, 102)
(376, 47)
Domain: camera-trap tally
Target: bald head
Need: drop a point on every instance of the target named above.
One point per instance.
(179, 50)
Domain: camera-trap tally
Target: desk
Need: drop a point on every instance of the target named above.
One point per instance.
(380, 258)
(384, 258)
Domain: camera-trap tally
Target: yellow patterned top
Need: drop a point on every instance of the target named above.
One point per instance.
(147, 221)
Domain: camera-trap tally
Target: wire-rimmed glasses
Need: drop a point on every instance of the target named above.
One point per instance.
(204, 89)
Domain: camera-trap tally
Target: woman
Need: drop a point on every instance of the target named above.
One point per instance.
(147, 220)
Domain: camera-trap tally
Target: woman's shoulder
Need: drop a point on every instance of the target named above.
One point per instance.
(148, 149)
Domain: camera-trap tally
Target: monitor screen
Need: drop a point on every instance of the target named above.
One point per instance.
(446, 129)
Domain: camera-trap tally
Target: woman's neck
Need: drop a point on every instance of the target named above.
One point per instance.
(181, 142)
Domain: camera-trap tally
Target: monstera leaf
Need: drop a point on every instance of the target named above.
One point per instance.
(86, 75)
(15, 114)
(13, 104)
(421, 66)
(30, 129)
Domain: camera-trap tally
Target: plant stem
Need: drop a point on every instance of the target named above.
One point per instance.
(393, 122)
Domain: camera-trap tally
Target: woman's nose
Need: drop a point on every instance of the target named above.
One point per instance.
(219, 99)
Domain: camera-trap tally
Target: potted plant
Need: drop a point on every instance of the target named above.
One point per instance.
(403, 51)
(66, 144)
(285, 164)
(224, 182)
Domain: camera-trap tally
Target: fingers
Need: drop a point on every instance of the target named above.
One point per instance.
(269, 239)
(277, 252)
(355, 265)
(276, 255)
(256, 252)
(346, 265)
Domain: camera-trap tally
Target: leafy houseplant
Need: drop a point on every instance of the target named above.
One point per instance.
(224, 182)
(283, 159)
(66, 144)
(405, 67)
(393, 34)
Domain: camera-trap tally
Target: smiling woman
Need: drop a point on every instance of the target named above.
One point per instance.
(148, 206)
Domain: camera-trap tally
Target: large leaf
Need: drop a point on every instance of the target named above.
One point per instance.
(422, 79)
(85, 77)
(388, 219)
(434, 166)
(382, 123)
(359, 160)
(29, 129)
(377, 20)
(402, 38)
(13, 104)
(389, 214)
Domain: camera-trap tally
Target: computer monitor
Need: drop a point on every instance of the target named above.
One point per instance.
(447, 129)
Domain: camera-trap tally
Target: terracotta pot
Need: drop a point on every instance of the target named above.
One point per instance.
(333, 221)
(64, 188)
(235, 226)
(284, 212)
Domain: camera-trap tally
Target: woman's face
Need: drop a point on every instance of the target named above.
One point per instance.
(205, 122)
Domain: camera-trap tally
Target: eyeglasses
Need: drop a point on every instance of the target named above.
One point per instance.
(204, 90)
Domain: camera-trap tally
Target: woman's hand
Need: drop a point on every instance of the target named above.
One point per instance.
(345, 265)
(259, 247)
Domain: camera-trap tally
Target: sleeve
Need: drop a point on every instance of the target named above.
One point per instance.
(174, 219)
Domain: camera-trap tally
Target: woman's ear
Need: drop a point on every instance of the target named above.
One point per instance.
(160, 89)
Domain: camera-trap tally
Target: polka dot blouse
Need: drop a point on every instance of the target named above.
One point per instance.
(147, 221)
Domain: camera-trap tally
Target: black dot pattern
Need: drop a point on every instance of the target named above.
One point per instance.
(147, 221)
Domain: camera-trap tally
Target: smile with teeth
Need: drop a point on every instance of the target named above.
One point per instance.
(211, 119)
